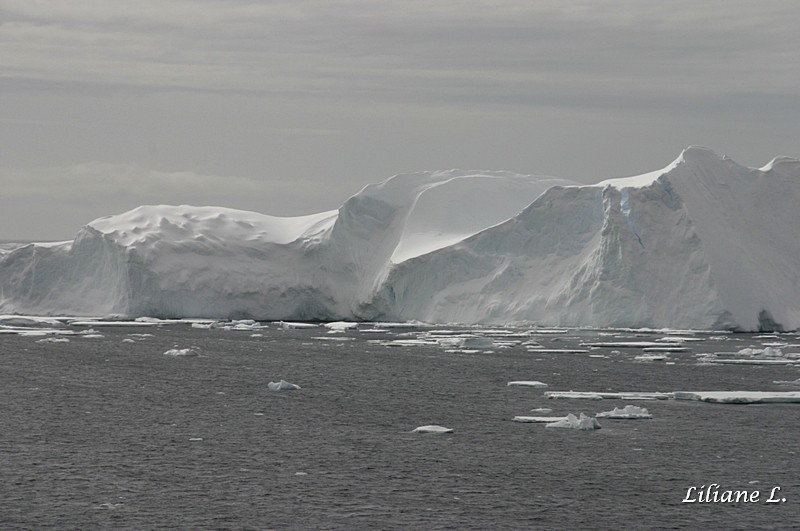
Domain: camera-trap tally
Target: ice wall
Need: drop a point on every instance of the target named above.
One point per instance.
(704, 243)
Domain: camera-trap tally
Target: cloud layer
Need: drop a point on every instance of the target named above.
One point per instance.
(305, 95)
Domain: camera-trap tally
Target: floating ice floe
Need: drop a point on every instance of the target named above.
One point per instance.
(624, 344)
(541, 410)
(283, 385)
(536, 350)
(752, 361)
(186, 352)
(740, 397)
(527, 383)
(341, 326)
(675, 348)
(538, 419)
(576, 423)
(28, 321)
(788, 382)
(626, 395)
(136, 323)
(650, 357)
(286, 325)
(53, 340)
(627, 412)
(432, 428)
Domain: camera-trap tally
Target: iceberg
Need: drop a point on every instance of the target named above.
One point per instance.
(576, 423)
(213, 262)
(283, 385)
(703, 243)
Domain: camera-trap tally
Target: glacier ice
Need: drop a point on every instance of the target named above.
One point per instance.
(704, 243)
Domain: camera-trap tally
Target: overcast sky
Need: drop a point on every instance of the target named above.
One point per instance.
(289, 107)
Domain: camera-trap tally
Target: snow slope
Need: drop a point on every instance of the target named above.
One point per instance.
(702, 244)
(215, 262)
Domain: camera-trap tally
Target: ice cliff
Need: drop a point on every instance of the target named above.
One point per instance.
(185, 261)
(704, 243)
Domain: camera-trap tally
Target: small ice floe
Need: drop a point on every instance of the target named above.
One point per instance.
(92, 336)
(576, 423)
(557, 350)
(740, 397)
(109, 506)
(672, 348)
(788, 382)
(195, 439)
(409, 343)
(541, 410)
(650, 357)
(185, 352)
(246, 325)
(527, 383)
(53, 340)
(624, 344)
(627, 412)
(538, 419)
(24, 321)
(681, 339)
(286, 325)
(626, 395)
(128, 340)
(432, 428)
(114, 323)
(283, 385)
(203, 326)
(340, 326)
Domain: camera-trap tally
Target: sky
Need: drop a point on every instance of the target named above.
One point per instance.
(290, 107)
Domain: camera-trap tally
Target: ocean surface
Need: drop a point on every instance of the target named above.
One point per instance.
(106, 431)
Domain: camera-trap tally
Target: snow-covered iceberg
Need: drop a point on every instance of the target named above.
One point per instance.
(704, 243)
(185, 261)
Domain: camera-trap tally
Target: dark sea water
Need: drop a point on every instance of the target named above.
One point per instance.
(98, 433)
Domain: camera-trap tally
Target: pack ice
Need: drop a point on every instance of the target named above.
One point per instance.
(702, 244)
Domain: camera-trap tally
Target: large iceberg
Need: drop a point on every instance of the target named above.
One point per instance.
(704, 243)
(185, 261)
